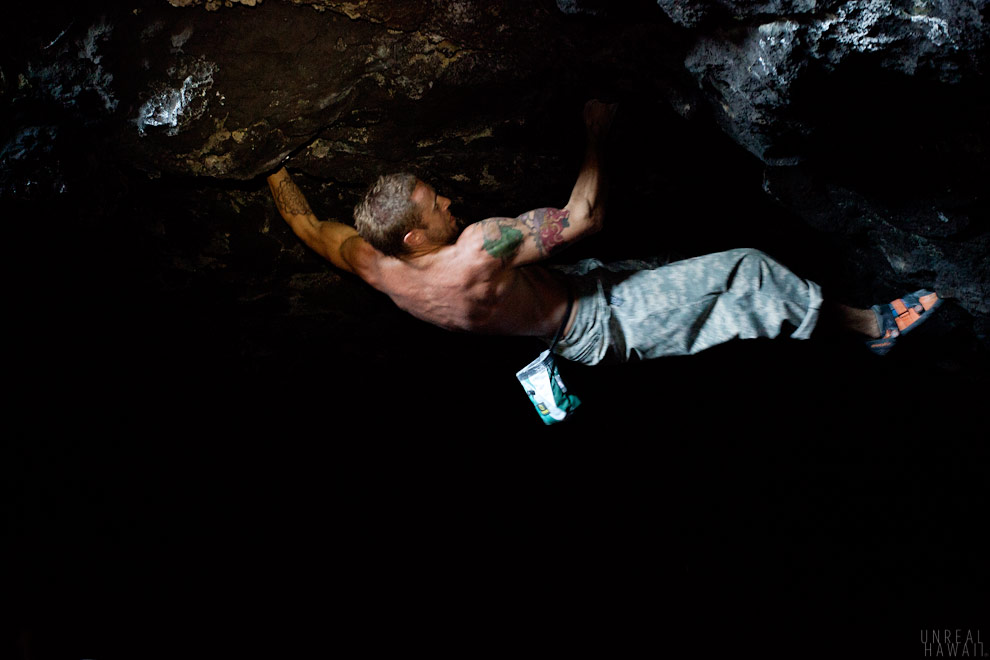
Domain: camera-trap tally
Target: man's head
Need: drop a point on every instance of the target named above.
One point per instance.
(401, 215)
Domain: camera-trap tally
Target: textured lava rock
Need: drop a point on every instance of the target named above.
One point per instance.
(872, 117)
(753, 64)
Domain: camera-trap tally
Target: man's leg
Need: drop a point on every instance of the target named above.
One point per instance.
(747, 294)
(850, 319)
(691, 305)
(688, 306)
(884, 324)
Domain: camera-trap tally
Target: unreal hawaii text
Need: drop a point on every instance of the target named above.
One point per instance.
(952, 643)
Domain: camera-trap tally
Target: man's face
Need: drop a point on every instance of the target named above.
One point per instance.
(441, 227)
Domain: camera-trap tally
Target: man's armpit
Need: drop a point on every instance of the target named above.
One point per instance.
(359, 257)
(348, 249)
(546, 226)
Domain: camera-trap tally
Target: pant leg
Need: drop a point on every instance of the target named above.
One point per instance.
(687, 306)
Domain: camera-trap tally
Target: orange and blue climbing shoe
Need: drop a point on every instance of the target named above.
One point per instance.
(901, 316)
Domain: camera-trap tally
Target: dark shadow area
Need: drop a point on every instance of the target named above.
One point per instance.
(201, 472)
(217, 449)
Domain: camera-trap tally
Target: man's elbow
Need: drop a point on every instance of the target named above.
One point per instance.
(592, 226)
(586, 219)
(596, 220)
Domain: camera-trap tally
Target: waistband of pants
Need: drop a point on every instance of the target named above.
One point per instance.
(579, 343)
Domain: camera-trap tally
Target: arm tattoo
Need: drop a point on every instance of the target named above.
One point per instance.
(546, 226)
(501, 240)
(504, 237)
(289, 198)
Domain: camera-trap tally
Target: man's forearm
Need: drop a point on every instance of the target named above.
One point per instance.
(589, 193)
(291, 203)
(587, 202)
(323, 236)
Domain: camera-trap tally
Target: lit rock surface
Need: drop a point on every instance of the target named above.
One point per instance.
(753, 60)
(871, 115)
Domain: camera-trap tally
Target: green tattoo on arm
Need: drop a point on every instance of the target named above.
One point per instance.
(504, 237)
(501, 241)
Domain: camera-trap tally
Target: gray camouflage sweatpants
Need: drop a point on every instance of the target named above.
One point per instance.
(645, 309)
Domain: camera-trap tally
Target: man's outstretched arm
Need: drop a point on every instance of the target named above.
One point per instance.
(335, 241)
(586, 206)
(536, 234)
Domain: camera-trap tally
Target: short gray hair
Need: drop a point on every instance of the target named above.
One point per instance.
(387, 213)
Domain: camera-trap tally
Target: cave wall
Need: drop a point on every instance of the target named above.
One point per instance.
(861, 111)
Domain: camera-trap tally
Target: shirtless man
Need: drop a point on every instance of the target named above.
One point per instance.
(485, 278)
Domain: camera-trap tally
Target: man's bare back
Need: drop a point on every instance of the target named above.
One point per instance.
(463, 288)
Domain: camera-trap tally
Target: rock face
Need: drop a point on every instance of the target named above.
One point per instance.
(756, 64)
(872, 118)
(867, 120)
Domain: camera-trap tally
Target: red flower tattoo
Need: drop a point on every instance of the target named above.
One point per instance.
(552, 228)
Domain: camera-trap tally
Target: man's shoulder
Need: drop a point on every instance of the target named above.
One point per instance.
(465, 259)
(474, 252)
(364, 259)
